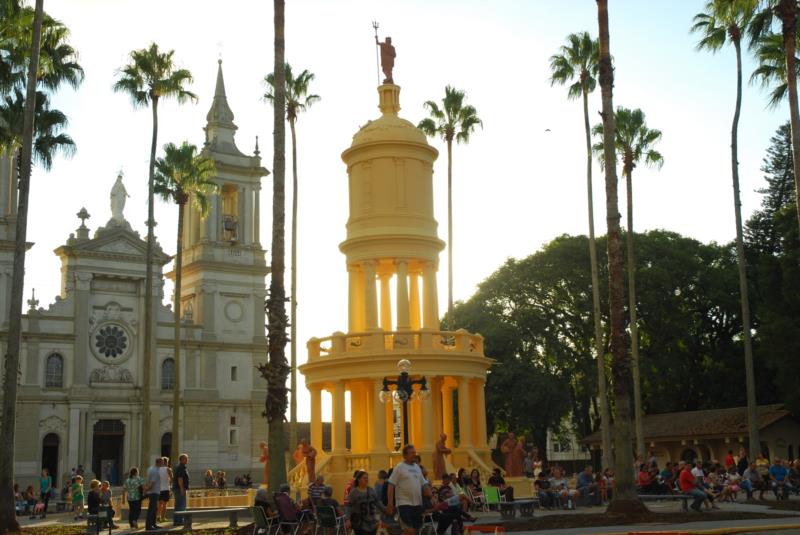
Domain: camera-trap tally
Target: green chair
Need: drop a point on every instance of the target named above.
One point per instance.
(327, 519)
(261, 522)
(492, 496)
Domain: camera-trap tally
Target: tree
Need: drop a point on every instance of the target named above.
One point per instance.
(182, 176)
(773, 248)
(634, 142)
(625, 498)
(771, 70)
(453, 121)
(276, 370)
(149, 76)
(784, 12)
(297, 100)
(32, 128)
(724, 21)
(578, 59)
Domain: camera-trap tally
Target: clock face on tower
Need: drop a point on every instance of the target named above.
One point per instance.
(111, 343)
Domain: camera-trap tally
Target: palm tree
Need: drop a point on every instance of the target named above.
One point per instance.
(297, 100)
(724, 22)
(150, 76)
(35, 134)
(771, 70)
(276, 370)
(454, 120)
(182, 176)
(634, 142)
(625, 498)
(784, 11)
(578, 59)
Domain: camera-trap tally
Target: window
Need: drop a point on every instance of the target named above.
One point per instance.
(233, 420)
(234, 373)
(233, 437)
(54, 371)
(168, 374)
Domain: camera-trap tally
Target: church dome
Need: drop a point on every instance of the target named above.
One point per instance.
(389, 127)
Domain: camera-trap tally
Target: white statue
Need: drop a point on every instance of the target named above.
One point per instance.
(118, 196)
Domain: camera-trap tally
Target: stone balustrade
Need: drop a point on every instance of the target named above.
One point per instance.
(402, 341)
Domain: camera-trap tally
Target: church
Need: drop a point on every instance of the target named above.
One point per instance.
(81, 380)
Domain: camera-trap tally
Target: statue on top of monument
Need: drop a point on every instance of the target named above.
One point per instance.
(387, 58)
(118, 196)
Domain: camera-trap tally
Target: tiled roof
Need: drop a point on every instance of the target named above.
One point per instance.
(707, 423)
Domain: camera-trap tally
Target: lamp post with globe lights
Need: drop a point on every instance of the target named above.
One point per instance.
(404, 391)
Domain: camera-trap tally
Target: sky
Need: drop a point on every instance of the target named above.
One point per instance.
(519, 182)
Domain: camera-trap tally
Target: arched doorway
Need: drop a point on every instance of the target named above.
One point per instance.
(166, 444)
(107, 445)
(50, 444)
(689, 455)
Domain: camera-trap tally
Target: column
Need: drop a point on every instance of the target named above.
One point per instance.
(358, 418)
(430, 307)
(414, 301)
(386, 301)
(370, 297)
(5, 171)
(338, 423)
(480, 412)
(203, 226)
(248, 215)
(257, 215)
(403, 319)
(447, 414)
(427, 423)
(464, 414)
(73, 434)
(380, 423)
(389, 429)
(415, 422)
(244, 235)
(316, 416)
(435, 385)
(352, 300)
(214, 218)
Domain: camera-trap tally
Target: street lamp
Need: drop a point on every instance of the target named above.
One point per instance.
(404, 391)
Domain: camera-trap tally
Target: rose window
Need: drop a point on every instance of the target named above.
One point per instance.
(111, 341)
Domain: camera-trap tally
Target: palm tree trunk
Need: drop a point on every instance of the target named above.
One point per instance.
(605, 414)
(175, 447)
(625, 498)
(293, 310)
(787, 10)
(147, 353)
(752, 408)
(450, 229)
(8, 520)
(634, 323)
(277, 370)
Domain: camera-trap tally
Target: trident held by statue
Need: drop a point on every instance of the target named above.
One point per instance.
(377, 52)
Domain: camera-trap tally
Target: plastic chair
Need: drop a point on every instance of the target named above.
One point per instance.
(287, 514)
(492, 496)
(327, 519)
(261, 522)
(476, 499)
(429, 524)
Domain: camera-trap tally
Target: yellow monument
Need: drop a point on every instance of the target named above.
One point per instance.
(392, 253)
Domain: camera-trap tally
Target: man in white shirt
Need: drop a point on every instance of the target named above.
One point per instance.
(406, 485)
(697, 471)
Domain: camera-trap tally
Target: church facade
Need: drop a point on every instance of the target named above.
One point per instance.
(81, 380)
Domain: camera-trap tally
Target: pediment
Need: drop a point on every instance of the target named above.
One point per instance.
(116, 241)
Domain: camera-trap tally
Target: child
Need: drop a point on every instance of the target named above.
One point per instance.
(105, 493)
(76, 489)
(602, 486)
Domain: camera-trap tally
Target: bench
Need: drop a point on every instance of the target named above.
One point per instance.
(94, 523)
(509, 509)
(670, 497)
(231, 512)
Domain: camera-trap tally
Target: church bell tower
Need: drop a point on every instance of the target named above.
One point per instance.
(224, 266)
